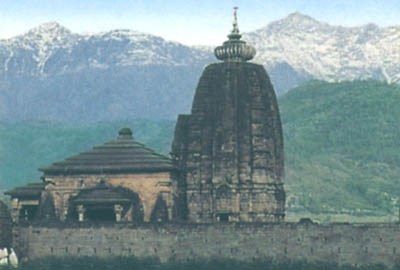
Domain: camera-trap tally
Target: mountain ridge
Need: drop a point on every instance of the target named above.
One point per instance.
(123, 46)
(51, 73)
(329, 52)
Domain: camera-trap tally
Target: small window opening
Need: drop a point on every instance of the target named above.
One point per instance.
(223, 217)
(28, 212)
(100, 214)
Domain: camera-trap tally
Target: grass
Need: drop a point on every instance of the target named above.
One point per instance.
(133, 263)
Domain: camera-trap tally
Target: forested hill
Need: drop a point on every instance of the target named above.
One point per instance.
(342, 146)
(26, 146)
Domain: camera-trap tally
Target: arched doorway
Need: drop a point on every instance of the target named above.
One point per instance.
(160, 211)
(223, 203)
(100, 213)
(28, 212)
(105, 203)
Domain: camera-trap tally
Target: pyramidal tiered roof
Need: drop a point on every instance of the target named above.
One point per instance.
(30, 190)
(121, 155)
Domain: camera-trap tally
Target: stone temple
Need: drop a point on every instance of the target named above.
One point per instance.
(226, 165)
(119, 181)
(229, 150)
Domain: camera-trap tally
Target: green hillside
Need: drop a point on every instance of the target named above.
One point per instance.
(342, 147)
(26, 146)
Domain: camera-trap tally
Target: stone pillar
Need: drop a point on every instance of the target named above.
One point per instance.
(65, 214)
(15, 208)
(81, 212)
(118, 212)
(25, 214)
(399, 214)
(237, 208)
(167, 197)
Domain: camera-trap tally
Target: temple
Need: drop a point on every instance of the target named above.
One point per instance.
(120, 181)
(226, 166)
(229, 150)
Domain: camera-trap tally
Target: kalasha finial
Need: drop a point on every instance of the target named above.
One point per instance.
(234, 49)
(125, 132)
(235, 31)
(235, 24)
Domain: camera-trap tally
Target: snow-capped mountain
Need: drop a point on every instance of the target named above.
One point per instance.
(50, 73)
(52, 49)
(329, 52)
(53, 74)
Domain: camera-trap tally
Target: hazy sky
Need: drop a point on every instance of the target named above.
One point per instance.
(187, 21)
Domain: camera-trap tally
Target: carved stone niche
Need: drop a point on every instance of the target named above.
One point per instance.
(118, 212)
(80, 209)
(224, 203)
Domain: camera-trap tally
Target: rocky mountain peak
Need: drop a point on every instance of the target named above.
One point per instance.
(50, 26)
(297, 17)
(294, 23)
(329, 52)
(49, 30)
(127, 35)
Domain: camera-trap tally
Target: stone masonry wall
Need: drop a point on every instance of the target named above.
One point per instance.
(360, 244)
(5, 226)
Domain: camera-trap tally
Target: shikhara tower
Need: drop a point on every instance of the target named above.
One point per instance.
(230, 148)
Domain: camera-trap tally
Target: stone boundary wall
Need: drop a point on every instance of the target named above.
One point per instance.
(357, 244)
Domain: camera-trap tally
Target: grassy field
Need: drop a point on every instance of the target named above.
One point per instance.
(132, 263)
